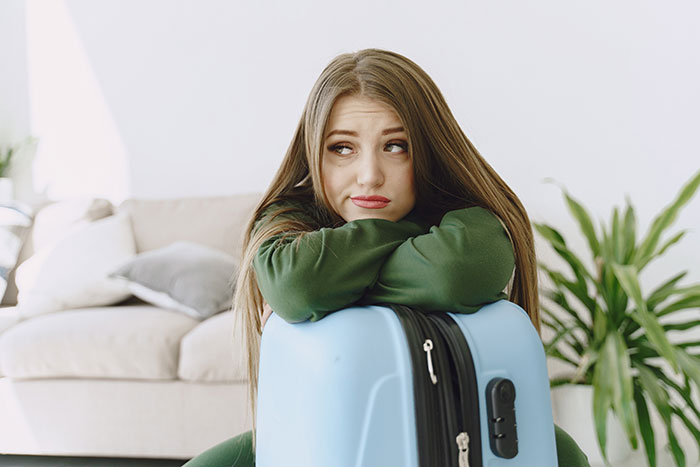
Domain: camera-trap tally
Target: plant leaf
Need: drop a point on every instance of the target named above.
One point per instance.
(584, 222)
(621, 376)
(602, 400)
(563, 333)
(557, 242)
(554, 382)
(601, 324)
(663, 291)
(690, 366)
(627, 275)
(667, 216)
(616, 236)
(685, 394)
(681, 326)
(641, 353)
(589, 357)
(672, 241)
(684, 391)
(660, 398)
(558, 297)
(576, 344)
(645, 426)
(606, 250)
(629, 229)
(556, 353)
(580, 291)
(689, 301)
(615, 296)
(657, 394)
(676, 450)
(688, 423)
(550, 233)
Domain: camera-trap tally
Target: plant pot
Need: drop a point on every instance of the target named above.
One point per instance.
(572, 406)
(6, 192)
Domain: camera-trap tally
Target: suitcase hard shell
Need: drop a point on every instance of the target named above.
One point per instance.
(342, 391)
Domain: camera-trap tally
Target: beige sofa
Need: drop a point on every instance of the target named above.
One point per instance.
(129, 379)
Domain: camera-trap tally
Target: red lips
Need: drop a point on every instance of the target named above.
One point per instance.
(370, 202)
(372, 198)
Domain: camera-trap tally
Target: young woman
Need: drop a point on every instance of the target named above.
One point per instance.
(381, 198)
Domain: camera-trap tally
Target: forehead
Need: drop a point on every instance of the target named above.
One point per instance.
(358, 110)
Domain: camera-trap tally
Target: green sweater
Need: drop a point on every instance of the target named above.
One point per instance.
(459, 265)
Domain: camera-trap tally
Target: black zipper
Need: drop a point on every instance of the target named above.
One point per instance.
(450, 406)
(429, 432)
(466, 385)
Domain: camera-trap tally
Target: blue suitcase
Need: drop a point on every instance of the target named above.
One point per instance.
(391, 386)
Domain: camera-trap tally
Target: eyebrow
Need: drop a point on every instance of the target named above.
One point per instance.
(388, 131)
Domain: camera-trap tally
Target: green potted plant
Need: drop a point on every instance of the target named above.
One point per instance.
(7, 153)
(615, 336)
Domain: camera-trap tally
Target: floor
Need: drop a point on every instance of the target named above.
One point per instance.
(56, 461)
(637, 459)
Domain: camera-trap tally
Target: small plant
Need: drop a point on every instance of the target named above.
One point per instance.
(8, 152)
(614, 335)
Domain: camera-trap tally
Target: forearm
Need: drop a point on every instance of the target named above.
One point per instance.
(460, 265)
(328, 269)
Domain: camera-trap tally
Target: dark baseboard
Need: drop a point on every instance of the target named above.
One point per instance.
(62, 461)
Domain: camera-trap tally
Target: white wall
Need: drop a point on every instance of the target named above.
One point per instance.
(14, 93)
(183, 98)
(190, 98)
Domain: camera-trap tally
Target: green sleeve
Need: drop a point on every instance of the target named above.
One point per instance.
(460, 265)
(310, 275)
(568, 452)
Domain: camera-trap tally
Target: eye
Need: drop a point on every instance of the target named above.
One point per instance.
(403, 146)
(338, 147)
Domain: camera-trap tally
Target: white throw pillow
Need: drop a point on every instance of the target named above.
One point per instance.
(73, 272)
(58, 219)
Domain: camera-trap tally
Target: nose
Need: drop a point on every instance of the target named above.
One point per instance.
(370, 173)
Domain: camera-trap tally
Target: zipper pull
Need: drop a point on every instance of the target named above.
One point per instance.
(428, 346)
(463, 446)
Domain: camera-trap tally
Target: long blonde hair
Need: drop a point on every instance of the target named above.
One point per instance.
(449, 174)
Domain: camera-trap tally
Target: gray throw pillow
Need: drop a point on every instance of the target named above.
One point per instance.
(183, 276)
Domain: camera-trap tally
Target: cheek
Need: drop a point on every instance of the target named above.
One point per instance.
(330, 181)
(409, 183)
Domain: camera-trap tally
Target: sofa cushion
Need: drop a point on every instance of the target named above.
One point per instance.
(73, 271)
(217, 221)
(187, 277)
(54, 219)
(9, 316)
(127, 342)
(211, 352)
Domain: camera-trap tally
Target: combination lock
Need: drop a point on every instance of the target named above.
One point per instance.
(500, 402)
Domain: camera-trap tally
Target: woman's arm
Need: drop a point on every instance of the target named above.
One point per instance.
(310, 275)
(460, 265)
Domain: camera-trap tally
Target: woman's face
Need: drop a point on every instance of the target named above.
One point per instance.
(366, 170)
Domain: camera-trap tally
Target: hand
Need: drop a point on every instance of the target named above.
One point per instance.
(267, 311)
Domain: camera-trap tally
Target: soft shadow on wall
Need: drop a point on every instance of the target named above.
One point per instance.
(80, 151)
